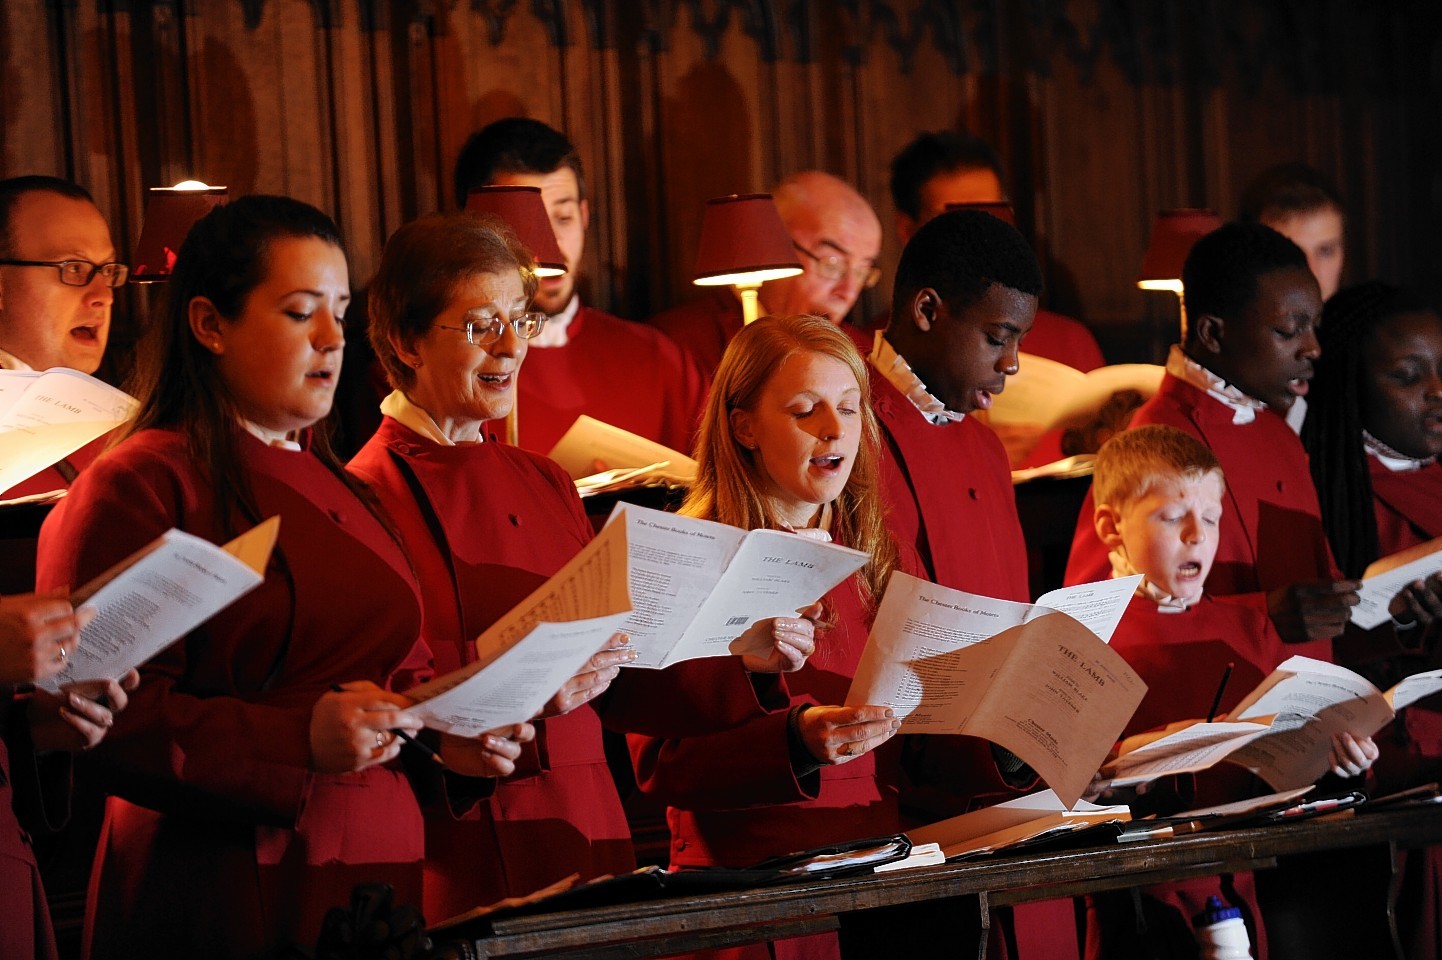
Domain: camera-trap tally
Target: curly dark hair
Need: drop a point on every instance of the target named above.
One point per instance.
(1221, 272)
(961, 254)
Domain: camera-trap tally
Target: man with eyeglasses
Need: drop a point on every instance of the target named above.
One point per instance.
(837, 238)
(58, 276)
(584, 361)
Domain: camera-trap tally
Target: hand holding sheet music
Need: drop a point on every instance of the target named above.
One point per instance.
(1038, 681)
(158, 595)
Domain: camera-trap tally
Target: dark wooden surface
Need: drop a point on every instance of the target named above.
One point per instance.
(656, 928)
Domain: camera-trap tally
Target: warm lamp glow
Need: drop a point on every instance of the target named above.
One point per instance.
(170, 212)
(523, 211)
(1172, 237)
(743, 245)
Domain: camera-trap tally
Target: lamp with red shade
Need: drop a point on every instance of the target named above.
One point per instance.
(1173, 235)
(523, 211)
(170, 212)
(744, 244)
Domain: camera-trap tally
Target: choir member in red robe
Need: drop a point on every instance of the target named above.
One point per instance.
(753, 766)
(1374, 432)
(249, 796)
(1246, 358)
(37, 634)
(837, 239)
(53, 315)
(1159, 498)
(938, 169)
(585, 361)
(485, 524)
(965, 293)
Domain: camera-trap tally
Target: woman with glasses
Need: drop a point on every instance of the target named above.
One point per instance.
(486, 523)
(253, 778)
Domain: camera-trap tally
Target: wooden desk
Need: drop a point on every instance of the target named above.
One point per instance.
(660, 927)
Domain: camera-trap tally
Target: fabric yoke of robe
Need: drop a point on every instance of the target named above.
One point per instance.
(949, 494)
(1181, 657)
(25, 929)
(1271, 532)
(618, 371)
(1408, 508)
(218, 839)
(486, 524)
(712, 745)
(703, 327)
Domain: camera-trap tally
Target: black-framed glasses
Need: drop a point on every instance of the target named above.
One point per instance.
(482, 330)
(833, 267)
(78, 273)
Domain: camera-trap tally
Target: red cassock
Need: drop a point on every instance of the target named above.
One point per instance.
(1182, 657)
(703, 327)
(25, 920)
(1408, 507)
(1065, 340)
(219, 840)
(1271, 531)
(617, 371)
(710, 741)
(504, 521)
(949, 494)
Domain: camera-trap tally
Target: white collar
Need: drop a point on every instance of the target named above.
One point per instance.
(404, 411)
(1166, 603)
(8, 361)
(822, 530)
(1244, 408)
(887, 362)
(271, 438)
(1297, 415)
(557, 331)
(1394, 460)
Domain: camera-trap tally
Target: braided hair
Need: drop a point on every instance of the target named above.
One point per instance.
(1332, 432)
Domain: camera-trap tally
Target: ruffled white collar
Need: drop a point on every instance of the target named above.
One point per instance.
(890, 364)
(1244, 408)
(1166, 603)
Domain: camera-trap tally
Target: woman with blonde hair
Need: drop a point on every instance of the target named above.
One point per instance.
(753, 765)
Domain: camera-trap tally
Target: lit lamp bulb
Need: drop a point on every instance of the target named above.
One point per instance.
(170, 212)
(743, 245)
(524, 212)
(1173, 235)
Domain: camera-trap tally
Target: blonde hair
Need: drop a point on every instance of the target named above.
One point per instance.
(728, 485)
(1131, 463)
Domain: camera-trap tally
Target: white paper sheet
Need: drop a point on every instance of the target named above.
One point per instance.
(698, 585)
(1386, 577)
(527, 655)
(158, 595)
(1028, 677)
(45, 417)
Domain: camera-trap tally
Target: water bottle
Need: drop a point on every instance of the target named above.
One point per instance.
(1221, 934)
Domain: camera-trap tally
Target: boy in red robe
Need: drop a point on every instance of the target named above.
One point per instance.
(1244, 360)
(1160, 502)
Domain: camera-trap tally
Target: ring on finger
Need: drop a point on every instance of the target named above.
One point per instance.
(380, 740)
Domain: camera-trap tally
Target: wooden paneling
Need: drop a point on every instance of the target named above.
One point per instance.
(1104, 112)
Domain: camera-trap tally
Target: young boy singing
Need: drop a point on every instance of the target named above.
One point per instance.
(1160, 503)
